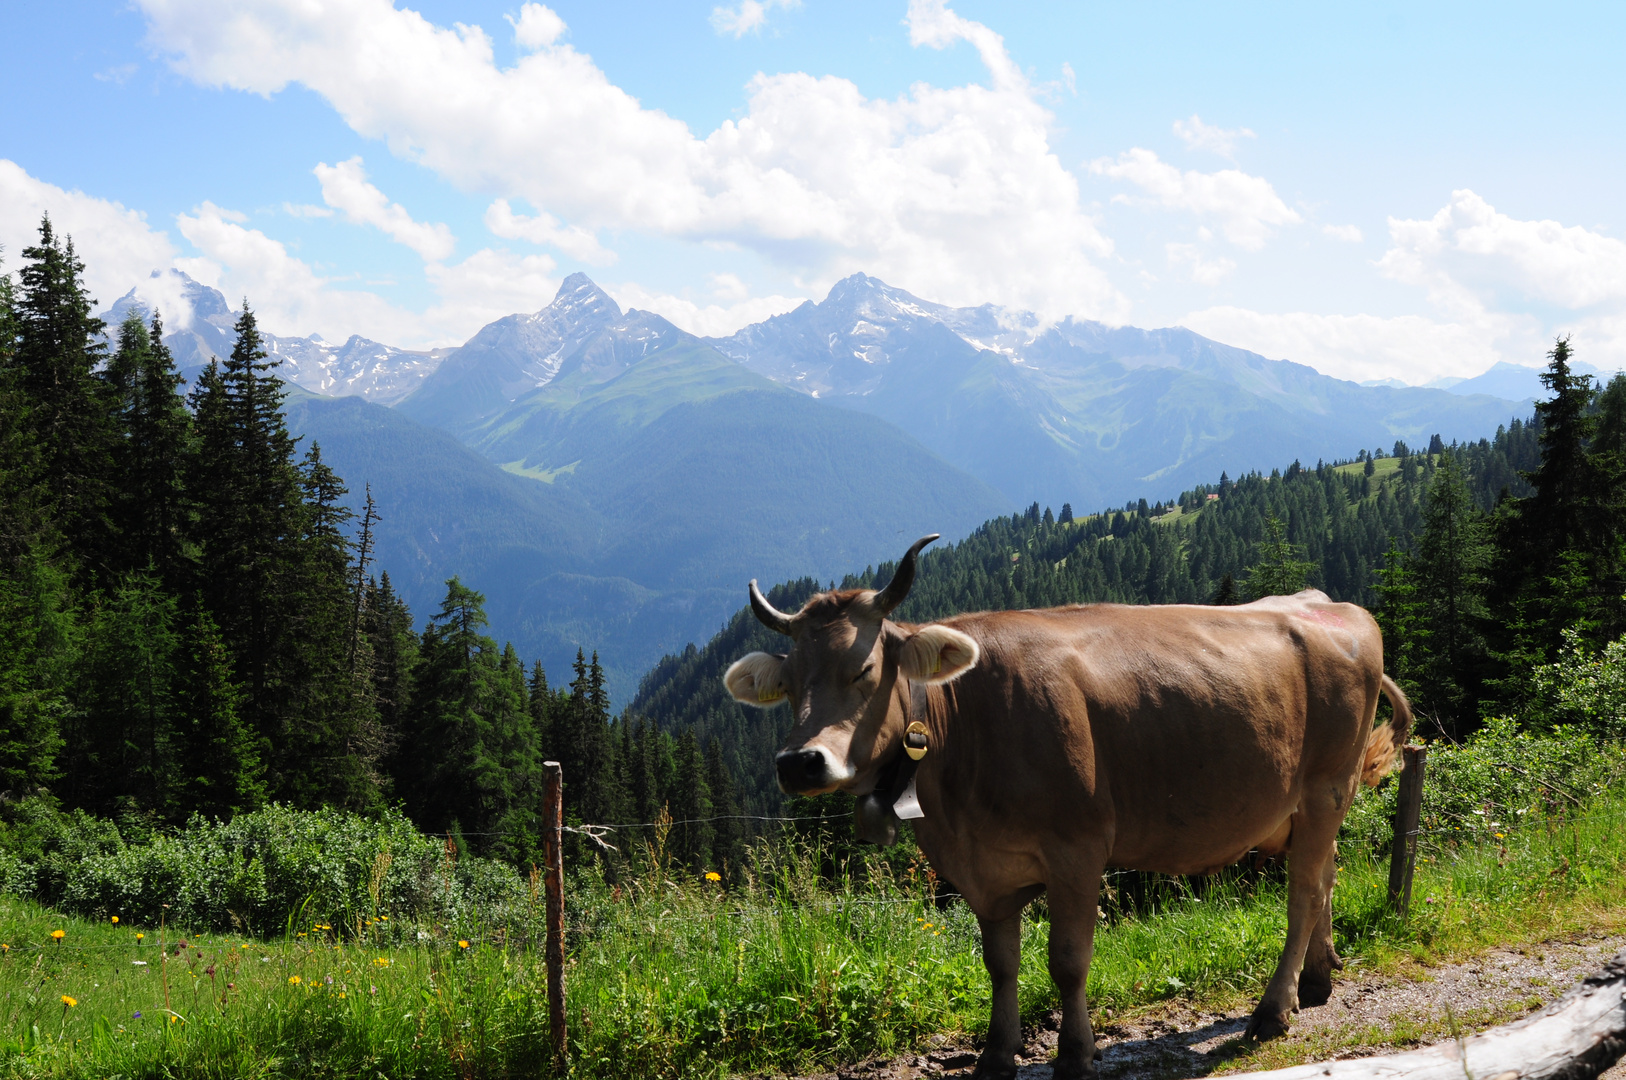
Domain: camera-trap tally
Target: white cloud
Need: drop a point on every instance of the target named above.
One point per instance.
(545, 229)
(345, 188)
(1247, 207)
(737, 309)
(749, 17)
(117, 245)
(1469, 253)
(289, 297)
(728, 287)
(1499, 288)
(1200, 136)
(1203, 270)
(118, 74)
(1473, 262)
(1069, 78)
(488, 285)
(953, 193)
(1349, 234)
(537, 26)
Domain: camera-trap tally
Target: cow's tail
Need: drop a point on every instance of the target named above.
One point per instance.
(1385, 742)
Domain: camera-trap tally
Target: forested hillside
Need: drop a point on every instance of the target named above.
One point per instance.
(192, 622)
(1459, 549)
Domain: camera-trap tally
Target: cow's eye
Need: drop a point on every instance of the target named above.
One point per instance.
(867, 669)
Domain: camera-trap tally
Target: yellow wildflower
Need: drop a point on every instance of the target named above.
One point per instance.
(115, 918)
(140, 936)
(68, 1001)
(712, 875)
(462, 944)
(295, 980)
(382, 961)
(59, 934)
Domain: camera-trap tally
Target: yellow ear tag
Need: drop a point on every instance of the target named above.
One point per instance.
(937, 663)
(914, 740)
(764, 697)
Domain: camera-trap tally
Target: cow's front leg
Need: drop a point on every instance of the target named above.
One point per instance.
(1002, 954)
(1072, 942)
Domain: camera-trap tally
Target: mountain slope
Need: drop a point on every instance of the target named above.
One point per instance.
(512, 356)
(624, 504)
(1081, 411)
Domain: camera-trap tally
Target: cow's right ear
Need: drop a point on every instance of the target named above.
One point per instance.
(936, 654)
(757, 679)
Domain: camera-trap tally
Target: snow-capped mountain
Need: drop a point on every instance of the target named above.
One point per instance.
(1098, 412)
(198, 328)
(514, 355)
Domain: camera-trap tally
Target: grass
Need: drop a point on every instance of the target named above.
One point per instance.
(673, 978)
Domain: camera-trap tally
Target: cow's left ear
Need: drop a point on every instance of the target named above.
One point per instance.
(936, 654)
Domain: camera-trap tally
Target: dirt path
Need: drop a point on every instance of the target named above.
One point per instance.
(1369, 1014)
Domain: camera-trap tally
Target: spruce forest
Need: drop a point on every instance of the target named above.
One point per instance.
(192, 621)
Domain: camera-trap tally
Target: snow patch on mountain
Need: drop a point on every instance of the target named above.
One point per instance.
(198, 328)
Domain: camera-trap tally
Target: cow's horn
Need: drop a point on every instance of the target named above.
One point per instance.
(770, 616)
(898, 588)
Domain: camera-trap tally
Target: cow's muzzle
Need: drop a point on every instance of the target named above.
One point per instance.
(802, 771)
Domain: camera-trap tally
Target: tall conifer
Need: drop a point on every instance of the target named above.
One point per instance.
(59, 348)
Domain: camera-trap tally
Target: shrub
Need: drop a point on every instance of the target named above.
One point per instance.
(259, 873)
(1495, 781)
(1584, 688)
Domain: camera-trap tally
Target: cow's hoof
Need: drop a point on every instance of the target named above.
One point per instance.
(1314, 990)
(995, 1067)
(1267, 1024)
(1074, 1068)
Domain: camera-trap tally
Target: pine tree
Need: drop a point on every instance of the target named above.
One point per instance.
(1279, 571)
(1226, 595)
(393, 648)
(250, 520)
(727, 846)
(23, 523)
(1453, 556)
(37, 630)
(217, 770)
(121, 743)
(149, 456)
(473, 752)
(37, 649)
(66, 403)
(691, 806)
(1552, 546)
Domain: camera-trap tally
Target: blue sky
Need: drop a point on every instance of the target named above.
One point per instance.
(1380, 191)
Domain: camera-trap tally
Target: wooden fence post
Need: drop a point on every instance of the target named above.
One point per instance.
(1408, 812)
(554, 884)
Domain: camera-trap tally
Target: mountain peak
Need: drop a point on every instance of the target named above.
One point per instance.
(579, 297)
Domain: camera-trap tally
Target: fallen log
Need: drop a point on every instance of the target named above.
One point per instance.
(1577, 1037)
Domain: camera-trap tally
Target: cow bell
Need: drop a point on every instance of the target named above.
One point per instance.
(914, 740)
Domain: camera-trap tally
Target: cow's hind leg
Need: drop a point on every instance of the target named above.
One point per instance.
(1310, 866)
(1322, 959)
(1072, 942)
(1002, 954)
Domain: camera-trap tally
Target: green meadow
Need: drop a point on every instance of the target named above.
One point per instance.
(671, 974)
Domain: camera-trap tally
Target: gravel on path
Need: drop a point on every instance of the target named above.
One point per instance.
(1369, 1014)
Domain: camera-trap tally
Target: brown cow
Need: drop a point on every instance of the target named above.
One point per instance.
(1063, 742)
